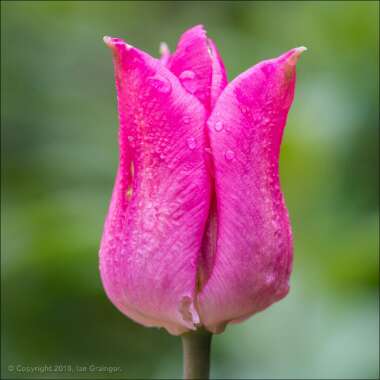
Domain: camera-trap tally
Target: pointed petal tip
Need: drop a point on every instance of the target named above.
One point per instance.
(301, 49)
(108, 41)
(198, 26)
(111, 42)
(164, 48)
(295, 54)
(164, 53)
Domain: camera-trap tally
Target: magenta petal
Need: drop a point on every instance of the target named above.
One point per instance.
(197, 63)
(252, 262)
(152, 236)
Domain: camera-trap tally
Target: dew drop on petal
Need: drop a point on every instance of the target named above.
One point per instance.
(160, 83)
(230, 154)
(187, 79)
(218, 126)
(269, 279)
(191, 143)
(187, 74)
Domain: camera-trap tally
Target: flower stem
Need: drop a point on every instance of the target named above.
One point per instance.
(196, 347)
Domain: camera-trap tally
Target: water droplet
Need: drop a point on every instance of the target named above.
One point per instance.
(230, 154)
(270, 279)
(191, 143)
(186, 119)
(218, 126)
(187, 74)
(130, 138)
(160, 83)
(266, 120)
(187, 79)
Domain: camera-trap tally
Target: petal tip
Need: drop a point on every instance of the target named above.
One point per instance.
(112, 42)
(198, 29)
(164, 48)
(295, 55)
(199, 26)
(108, 40)
(299, 50)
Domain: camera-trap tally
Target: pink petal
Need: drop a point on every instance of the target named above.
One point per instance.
(251, 265)
(152, 236)
(198, 65)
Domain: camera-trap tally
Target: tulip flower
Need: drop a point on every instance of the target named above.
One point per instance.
(197, 234)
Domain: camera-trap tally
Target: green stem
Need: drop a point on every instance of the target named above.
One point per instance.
(196, 347)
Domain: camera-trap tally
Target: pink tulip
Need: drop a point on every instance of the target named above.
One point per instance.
(197, 232)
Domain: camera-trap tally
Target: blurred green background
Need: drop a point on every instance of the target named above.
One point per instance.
(59, 156)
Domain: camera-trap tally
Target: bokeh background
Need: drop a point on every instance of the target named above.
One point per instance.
(59, 156)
